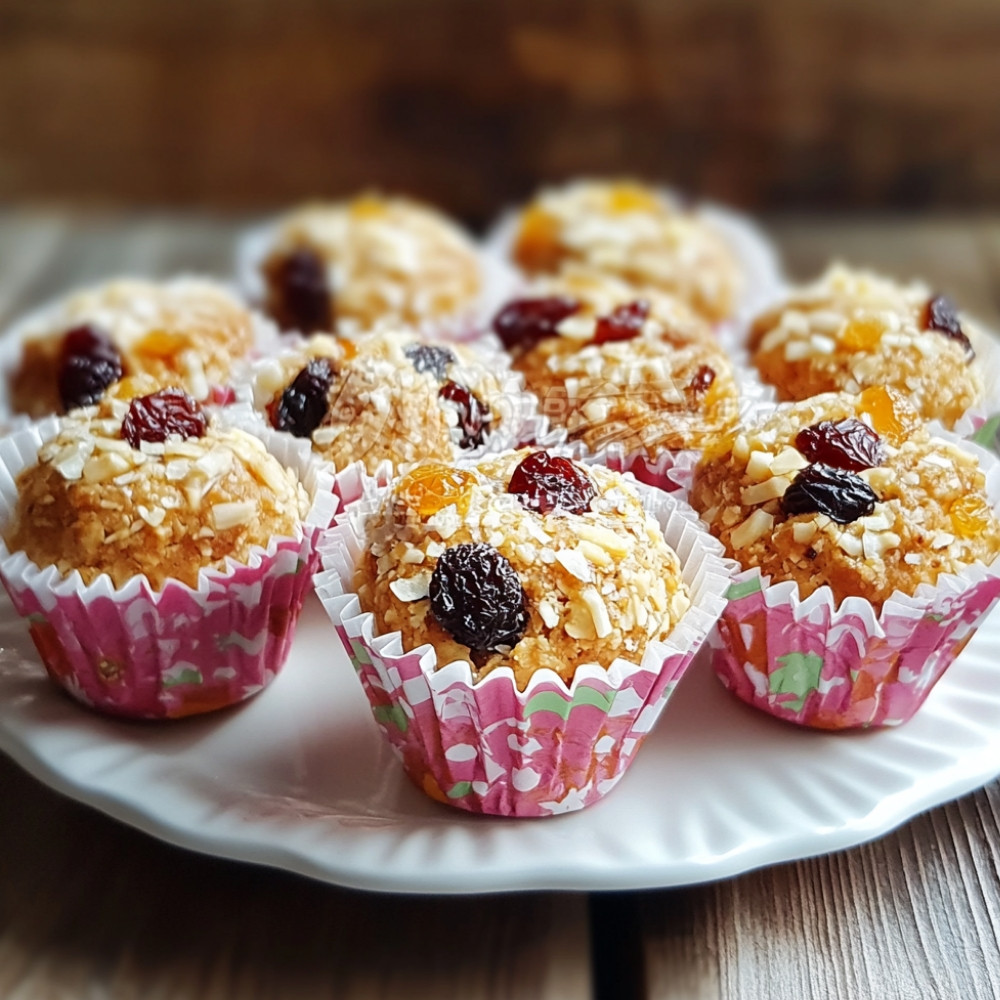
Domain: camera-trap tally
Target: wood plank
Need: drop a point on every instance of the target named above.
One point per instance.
(90, 907)
(915, 914)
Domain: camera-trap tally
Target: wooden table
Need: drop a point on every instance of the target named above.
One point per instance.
(91, 908)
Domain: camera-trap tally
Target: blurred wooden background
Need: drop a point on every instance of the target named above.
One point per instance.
(251, 103)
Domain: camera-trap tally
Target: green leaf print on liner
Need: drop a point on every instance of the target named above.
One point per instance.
(744, 589)
(184, 677)
(459, 789)
(391, 713)
(799, 675)
(550, 701)
(987, 435)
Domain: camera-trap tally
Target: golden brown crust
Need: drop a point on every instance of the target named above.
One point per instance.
(931, 516)
(853, 329)
(184, 332)
(166, 511)
(390, 259)
(600, 584)
(632, 232)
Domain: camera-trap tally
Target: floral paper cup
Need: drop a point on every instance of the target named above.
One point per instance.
(845, 668)
(488, 747)
(138, 652)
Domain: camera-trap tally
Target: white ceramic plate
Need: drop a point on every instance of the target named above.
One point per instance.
(299, 779)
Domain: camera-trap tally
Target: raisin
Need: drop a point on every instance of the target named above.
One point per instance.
(702, 380)
(301, 297)
(622, 323)
(155, 417)
(818, 489)
(473, 417)
(88, 365)
(544, 482)
(941, 315)
(300, 409)
(429, 358)
(849, 444)
(524, 322)
(477, 597)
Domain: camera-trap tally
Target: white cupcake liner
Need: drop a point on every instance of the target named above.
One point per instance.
(141, 653)
(487, 747)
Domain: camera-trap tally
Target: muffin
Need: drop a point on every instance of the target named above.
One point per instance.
(339, 267)
(388, 397)
(632, 232)
(519, 623)
(859, 531)
(185, 332)
(160, 559)
(853, 329)
(617, 368)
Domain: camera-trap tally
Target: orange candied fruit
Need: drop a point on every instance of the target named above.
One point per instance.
(161, 344)
(632, 198)
(429, 488)
(880, 404)
(367, 206)
(970, 516)
(862, 334)
(349, 347)
(537, 247)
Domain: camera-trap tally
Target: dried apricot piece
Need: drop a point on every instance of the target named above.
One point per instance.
(537, 246)
(879, 404)
(970, 516)
(862, 334)
(429, 488)
(631, 198)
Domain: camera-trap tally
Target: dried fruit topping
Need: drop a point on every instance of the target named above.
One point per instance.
(862, 333)
(477, 597)
(940, 314)
(970, 516)
(848, 444)
(428, 488)
(544, 482)
(89, 364)
(473, 417)
(300, 409)
(818, 489)
(879, 405)
(301, 297)
(622, 323)
(155, 417)
(524, 322)
(702, 380)
(429, 358)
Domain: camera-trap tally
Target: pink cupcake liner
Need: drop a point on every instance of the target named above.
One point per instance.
(808, 662)
(141, 653)
(488, 748)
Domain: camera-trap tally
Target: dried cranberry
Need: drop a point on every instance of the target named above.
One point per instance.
(473, 417)
(88, 365)
(849, 444)
(524, 322)
(622, 323)
(941, 315)
(302, 406)
(545, 482)
(477, 597)
(155, 417)
(702, 380)
(818, 489)
(301, 297)
(430, 358)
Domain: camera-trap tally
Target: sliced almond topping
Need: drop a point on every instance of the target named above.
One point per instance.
(758, 524)
(231, 514)
(598, 612)
(770, 489)
(412, 588)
